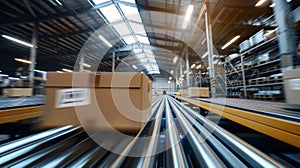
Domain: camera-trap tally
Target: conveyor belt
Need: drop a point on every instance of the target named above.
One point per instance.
(178, 137)
(19, 102)
(286, 129)
(273, 109)
(16, 109)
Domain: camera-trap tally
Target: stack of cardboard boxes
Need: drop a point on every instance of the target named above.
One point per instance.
(98, 101)
(183, 92)
(198, 92)
(17, 92)
(292, 86)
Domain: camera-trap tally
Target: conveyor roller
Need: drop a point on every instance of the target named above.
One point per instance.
(175, 136)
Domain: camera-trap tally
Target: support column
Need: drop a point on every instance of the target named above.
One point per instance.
(187, 68)
(81, 66)
(286, 33)
(244, 78)
(210, 53)
(200, 82)
(177, 78)
(33, 53)
(180, 77)
(113, 61)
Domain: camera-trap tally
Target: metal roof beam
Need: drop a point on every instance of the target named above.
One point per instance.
(28, 19)
(145, 46)
(151, 8)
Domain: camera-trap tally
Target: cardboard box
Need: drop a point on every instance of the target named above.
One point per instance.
(194, 92)
(98, 101)
(17, 92)
(204, 92)
(198, 92)
(183, 92)
(292, 86)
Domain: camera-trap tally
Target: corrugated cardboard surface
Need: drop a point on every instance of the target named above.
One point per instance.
(198, 92)
(295, 73)
(117, 80)
(193, 92)
(67, 79)
(183, 92)
(292, 86)
(204, 92)
(122, 102)
(17, 92)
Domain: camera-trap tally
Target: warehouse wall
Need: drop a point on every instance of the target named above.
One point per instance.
(159, 84)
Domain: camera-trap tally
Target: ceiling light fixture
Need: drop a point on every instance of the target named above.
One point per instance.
(111, 13)
(23, 61)
(274, 4)
(40, 71)
(260, 2)
(188, 16)
(170, 78)
(66, 70)
(59, 3)
(86, 65)
(105, 41)
(17, 41)
(171, 71)
(175, 60)
(193, 66)
(205, 55)
(270, 32)
(199, 66)
(230, 42)
(204, 40)
(133, 66)
(184, 72)
(12, 78)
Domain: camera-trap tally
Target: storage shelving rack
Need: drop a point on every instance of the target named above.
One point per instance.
(251, 74)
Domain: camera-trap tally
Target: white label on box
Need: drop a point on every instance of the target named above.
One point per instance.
(72, 97)
(294, 84)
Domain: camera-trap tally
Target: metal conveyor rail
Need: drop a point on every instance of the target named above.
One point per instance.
(175, 136)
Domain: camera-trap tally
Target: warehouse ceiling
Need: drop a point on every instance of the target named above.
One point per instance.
(64, 26)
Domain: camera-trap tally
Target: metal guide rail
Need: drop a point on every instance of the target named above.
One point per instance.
(279, 126)
(17, 109)
(17, 114)
(176, 137)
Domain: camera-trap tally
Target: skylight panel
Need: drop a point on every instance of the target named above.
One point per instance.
(144, 60)
(148, 66)
(156, 68)
(130, 1)
(121, 28)
(143, 39)
(153, 72)
(137, 28)
(150, 56)
(129, 10)
(129, 40)
(148, 51)
(100, 1)
(152, 60)
(136, 51)
(141, 56)
(111, 13)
